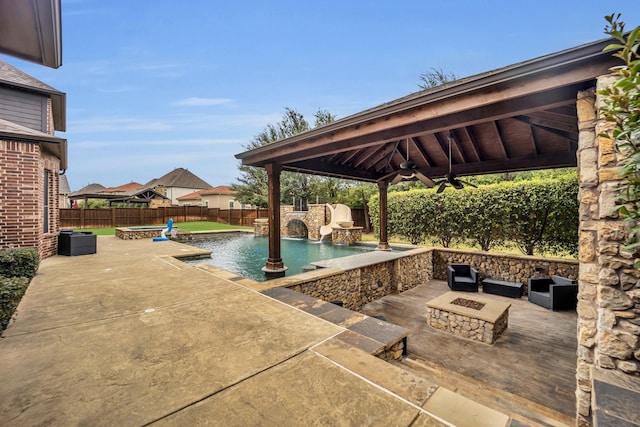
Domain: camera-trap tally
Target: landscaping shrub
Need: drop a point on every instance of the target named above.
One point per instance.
(11, 291)
(538, 215)
(17, 268)
(19, 262)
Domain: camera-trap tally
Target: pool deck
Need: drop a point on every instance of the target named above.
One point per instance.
(132, 336)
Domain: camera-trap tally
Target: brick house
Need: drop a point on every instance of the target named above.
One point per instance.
(32, 159)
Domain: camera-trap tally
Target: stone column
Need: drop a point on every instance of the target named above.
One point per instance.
(383, 244)
(608, 326)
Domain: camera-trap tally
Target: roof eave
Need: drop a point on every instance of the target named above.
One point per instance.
(40, 40)
(459, 87)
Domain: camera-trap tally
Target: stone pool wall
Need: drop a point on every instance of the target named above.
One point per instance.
(514, 268)
(359, 286)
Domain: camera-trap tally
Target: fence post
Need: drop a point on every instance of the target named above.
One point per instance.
(82, 217)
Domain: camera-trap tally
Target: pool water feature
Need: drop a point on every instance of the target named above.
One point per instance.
(245, 255)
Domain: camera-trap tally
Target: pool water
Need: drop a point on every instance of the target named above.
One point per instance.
(245, 255)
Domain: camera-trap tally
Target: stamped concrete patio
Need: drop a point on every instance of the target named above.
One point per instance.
(131, 336)
(529, 373)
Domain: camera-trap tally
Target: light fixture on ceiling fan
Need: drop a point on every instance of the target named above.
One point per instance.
(408, 172)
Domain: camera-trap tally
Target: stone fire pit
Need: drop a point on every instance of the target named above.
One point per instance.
(468, 316)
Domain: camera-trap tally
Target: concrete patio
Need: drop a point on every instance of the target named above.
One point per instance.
(132, 336)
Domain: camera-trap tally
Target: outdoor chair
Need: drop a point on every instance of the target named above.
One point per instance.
(554, 293)
(462, 277)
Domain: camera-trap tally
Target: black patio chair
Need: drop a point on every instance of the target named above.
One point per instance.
(462, 277)
(554, 293)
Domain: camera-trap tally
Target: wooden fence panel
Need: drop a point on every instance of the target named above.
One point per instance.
(131, 217)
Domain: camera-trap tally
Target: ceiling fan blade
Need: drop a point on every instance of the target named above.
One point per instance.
(442, 187)
(424, 179)
(397, 179)
(388, 176)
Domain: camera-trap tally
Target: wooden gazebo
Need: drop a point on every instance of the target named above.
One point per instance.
(520, 117)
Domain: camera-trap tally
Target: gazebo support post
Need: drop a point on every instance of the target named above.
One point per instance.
(383, 244)
(274, 266)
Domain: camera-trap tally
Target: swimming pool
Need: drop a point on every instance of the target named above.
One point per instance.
(245, 255)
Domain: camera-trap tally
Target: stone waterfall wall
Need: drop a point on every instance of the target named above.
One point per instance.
(313, 219)
(609, 295)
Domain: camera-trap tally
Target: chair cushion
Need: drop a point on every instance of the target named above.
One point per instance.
(464, 279)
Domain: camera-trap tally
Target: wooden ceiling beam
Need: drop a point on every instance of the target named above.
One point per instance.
(472, 142)
(347, 156)
(501, 145)
(532, 140)
(571, 134)
(380, 156)
(366, 154)
(456, 148)
(421, 151)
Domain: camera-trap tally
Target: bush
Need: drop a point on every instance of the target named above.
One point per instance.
(17, 268)
(538, 215)
(19, 262)
(11, 292)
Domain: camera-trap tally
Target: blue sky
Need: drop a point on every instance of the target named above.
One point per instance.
(156, 85)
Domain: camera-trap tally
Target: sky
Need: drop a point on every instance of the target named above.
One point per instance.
(157, 85)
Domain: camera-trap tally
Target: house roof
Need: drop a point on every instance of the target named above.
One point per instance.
(32, 30)
(51, 144)
(178, 177)
(88, 189)
(125, 188)
(219, 190)
(519, 117)
(63, 185)
(14, 77)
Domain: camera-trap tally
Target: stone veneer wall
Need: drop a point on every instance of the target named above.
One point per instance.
(609, 286)
(360, 286)
(514, 268)
(467, 327)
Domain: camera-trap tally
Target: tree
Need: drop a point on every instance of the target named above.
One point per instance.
(435, 77)
(252, 186)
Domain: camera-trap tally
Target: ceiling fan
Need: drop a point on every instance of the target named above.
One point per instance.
(408, 172)
(450, 178)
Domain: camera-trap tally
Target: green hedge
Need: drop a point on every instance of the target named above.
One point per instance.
(11, 292)
(17, 268)
(19, 262)
(537, 215)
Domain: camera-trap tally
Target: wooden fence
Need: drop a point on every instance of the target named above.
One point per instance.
(130, 217)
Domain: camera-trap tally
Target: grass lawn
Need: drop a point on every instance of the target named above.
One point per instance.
(189, 226)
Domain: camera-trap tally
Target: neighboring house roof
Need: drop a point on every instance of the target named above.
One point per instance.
(138, 194)
(12, 76)
(63, 185)
(126, 188)
(179, 177)
(219, 190)
(32, 30)
(52, 144)
(88, 189)
(191, 196)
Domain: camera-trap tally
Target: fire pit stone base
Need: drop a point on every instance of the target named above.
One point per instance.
(486, 324)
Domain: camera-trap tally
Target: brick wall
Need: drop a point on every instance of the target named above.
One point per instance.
(22, 195)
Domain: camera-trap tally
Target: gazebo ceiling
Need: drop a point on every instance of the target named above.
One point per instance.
(520, 117)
